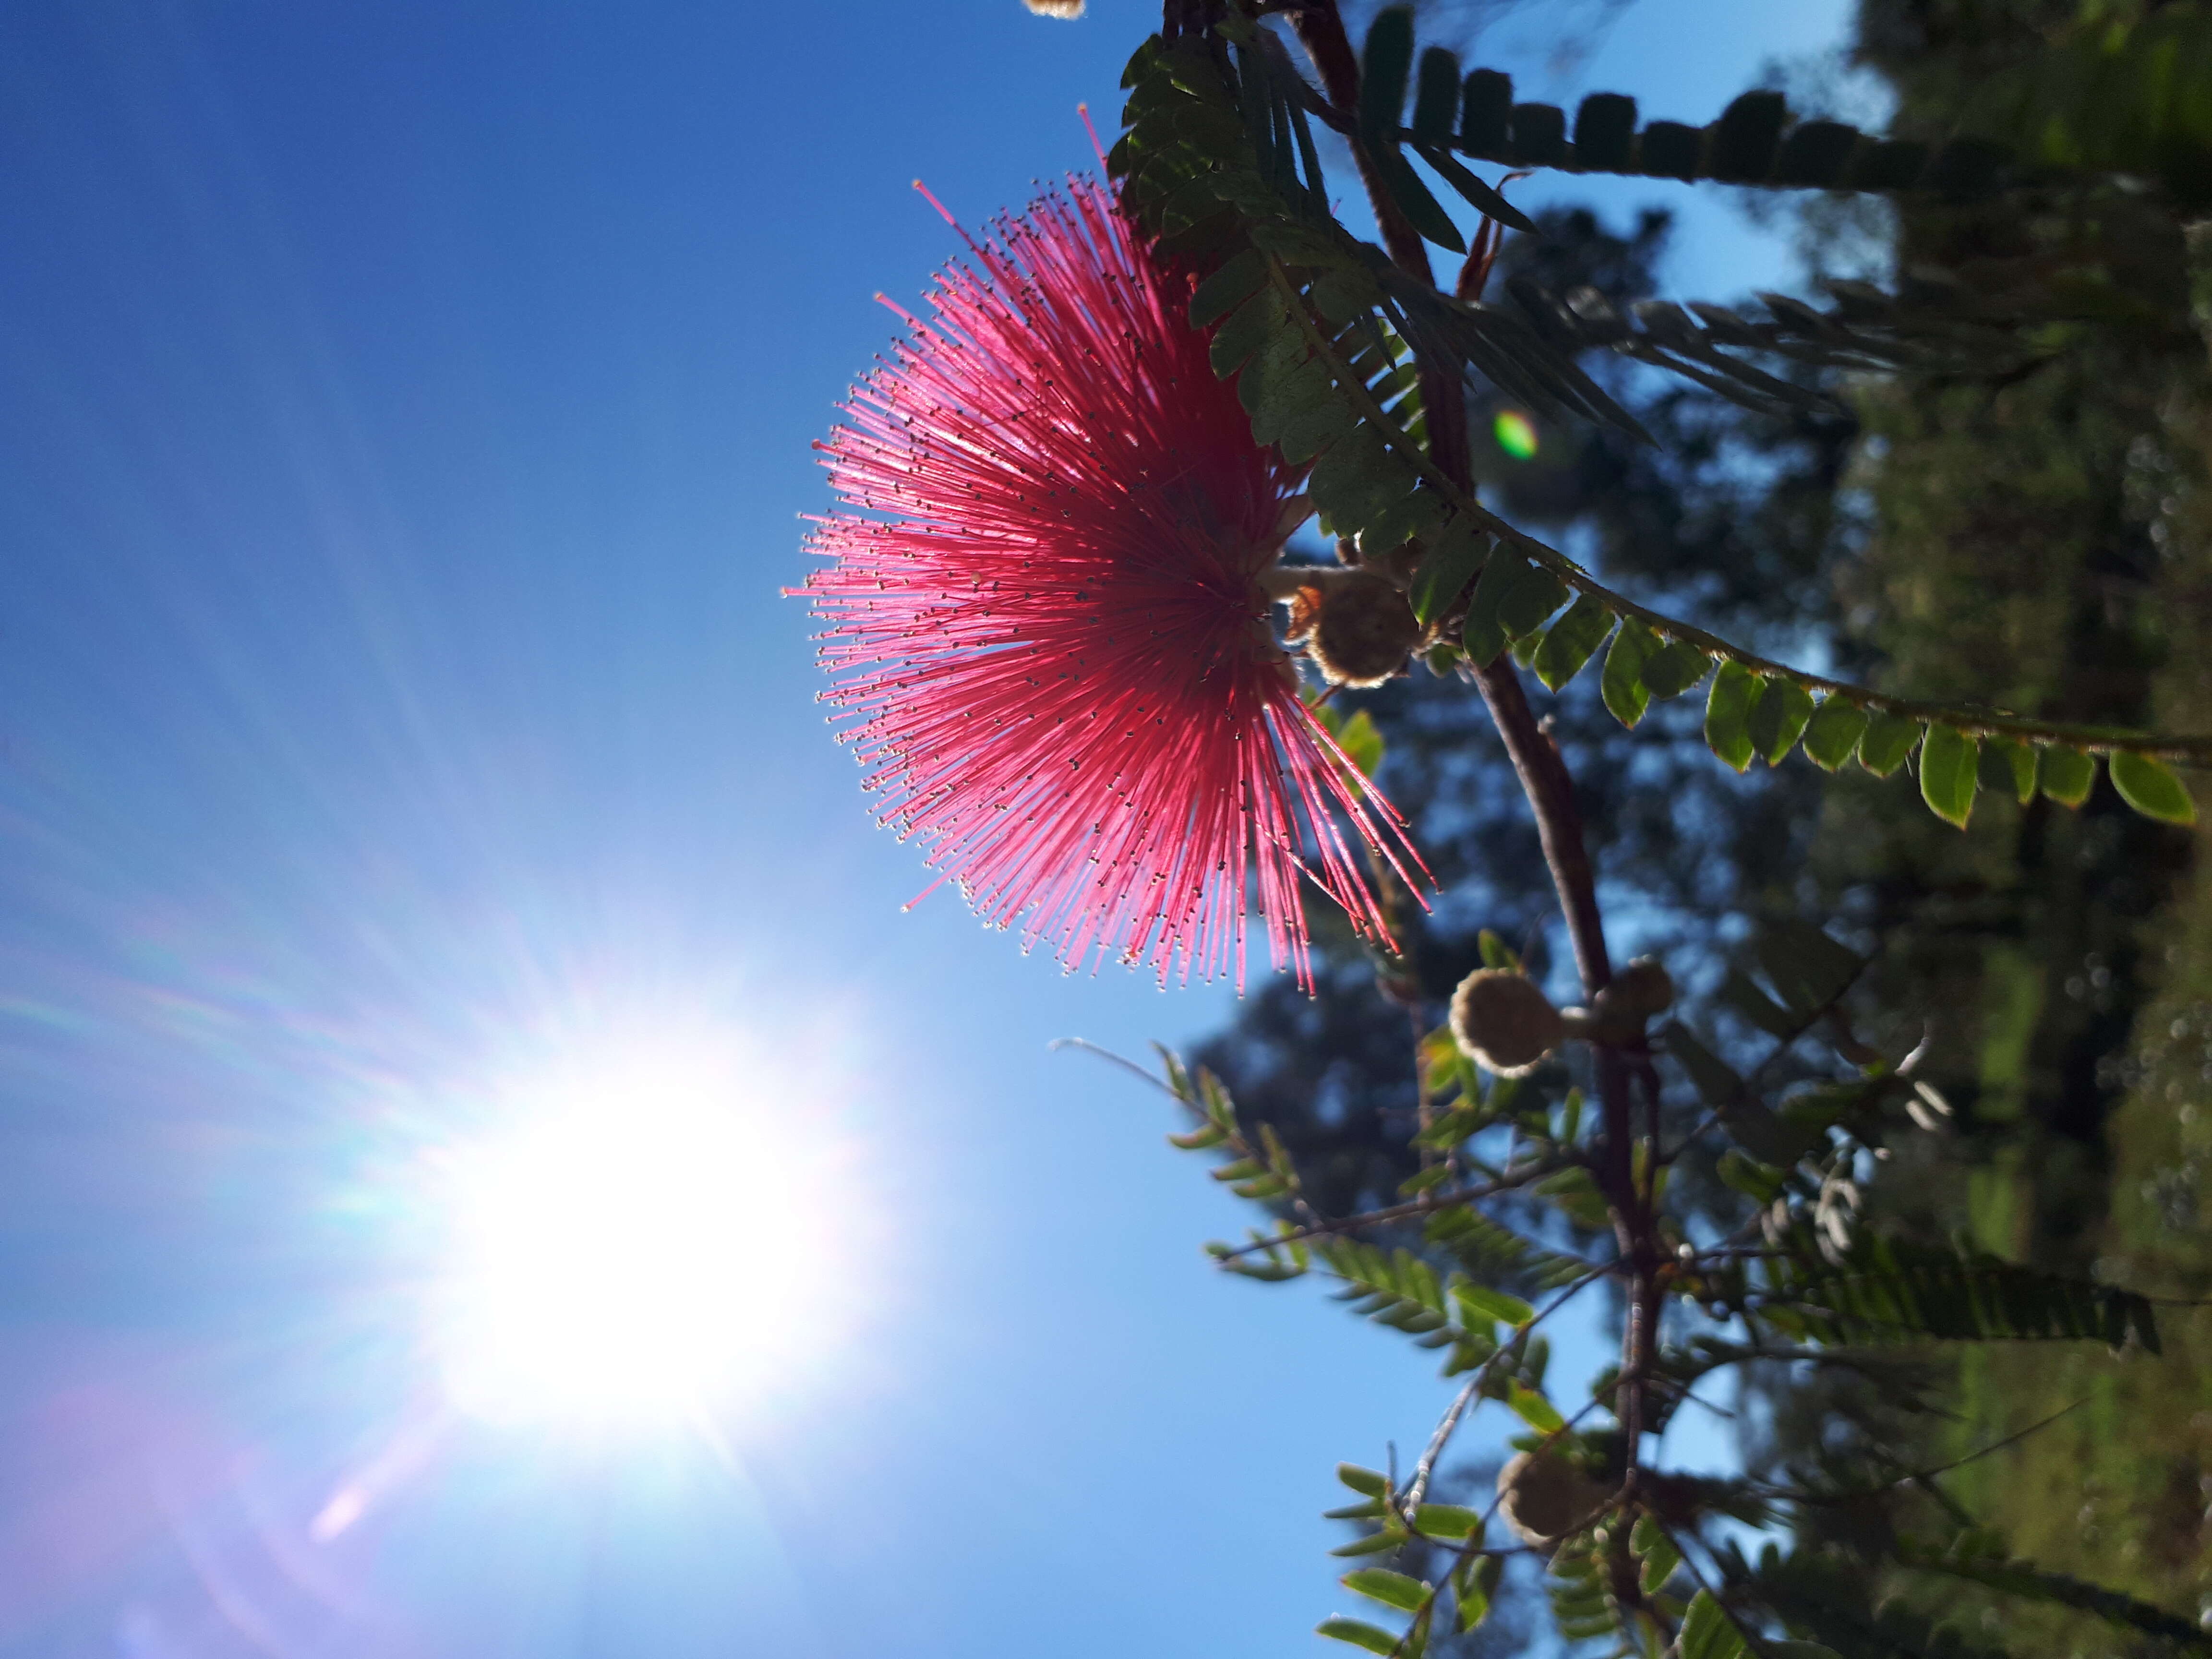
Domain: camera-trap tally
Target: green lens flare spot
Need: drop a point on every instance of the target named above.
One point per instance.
(1516, 433)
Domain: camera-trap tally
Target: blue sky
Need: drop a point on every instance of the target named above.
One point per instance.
(405, 414)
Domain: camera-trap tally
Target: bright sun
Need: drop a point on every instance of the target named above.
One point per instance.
(646, 1238)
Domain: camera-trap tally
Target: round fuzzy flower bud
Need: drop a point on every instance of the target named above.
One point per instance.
(1364, 631)
(1544, 1497)
(1504, 1021)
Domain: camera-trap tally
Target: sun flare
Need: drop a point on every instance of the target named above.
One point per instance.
(645, 1235)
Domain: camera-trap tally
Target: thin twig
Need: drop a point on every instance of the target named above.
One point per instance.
(1424, 1205)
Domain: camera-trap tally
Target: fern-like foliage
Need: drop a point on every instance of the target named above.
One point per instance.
(1324, 334)
(1883, 1290)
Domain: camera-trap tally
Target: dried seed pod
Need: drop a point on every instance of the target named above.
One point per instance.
(1501, 1020)
(1543, 1497)
(1363, 631)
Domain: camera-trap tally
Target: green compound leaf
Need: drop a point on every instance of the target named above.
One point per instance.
(1359, 479)
(1357, 1634)
(1244, 330)
(1419, 203)
(1778, 718)
(1358, 736)
(1888, 739)
(1534, 595)
(2031, 1582)
(2009, 767)
(1675, 668)
(1445, 570)
(1623, 686)
(2068, 775)
(1948, 769)
(1495, 1305)
(1393, 1589)
(1436, 98)
(1486, 635)
(1386, 64)
(1228, 288)
(1481, 196)
(1571, 641)
(1476, 1583)
(1834, 732)
(1532, 1408)
(1368, 1483)
(1728, 713)
(1447, 1520)
(1417, 516)
(1659, 1564)
(1708, 1632)
(1309, 432)
(2152, 790)
(1892, 1291)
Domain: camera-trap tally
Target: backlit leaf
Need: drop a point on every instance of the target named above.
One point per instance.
(1834, 732)
(1386, 64)
(1778, 718)
(1675, 668)
(1366, 1482)
(2147, 786)
(2068, 775)
(1571, 641)
(1486, 635)
(1357, 1634)
(1447, 1520)
(1948, 766)
(1446, 569)
(1887, 740)
(1228, 288)
(1728, 713)
(2010, 767)
(1533, 1409)
(1623, 686)
(1393, 1589)
(1496, 1304)
(1708, 1632)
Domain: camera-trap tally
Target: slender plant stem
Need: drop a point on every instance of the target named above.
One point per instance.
(1536, 761)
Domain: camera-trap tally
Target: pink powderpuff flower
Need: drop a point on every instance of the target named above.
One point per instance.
(1045, 612)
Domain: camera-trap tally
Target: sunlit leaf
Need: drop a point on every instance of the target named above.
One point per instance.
(1707, 1631)
(1496, 1304)
(1358, 1635)
(1367, 1482)
(1533, 1409)
(1393, 1589)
